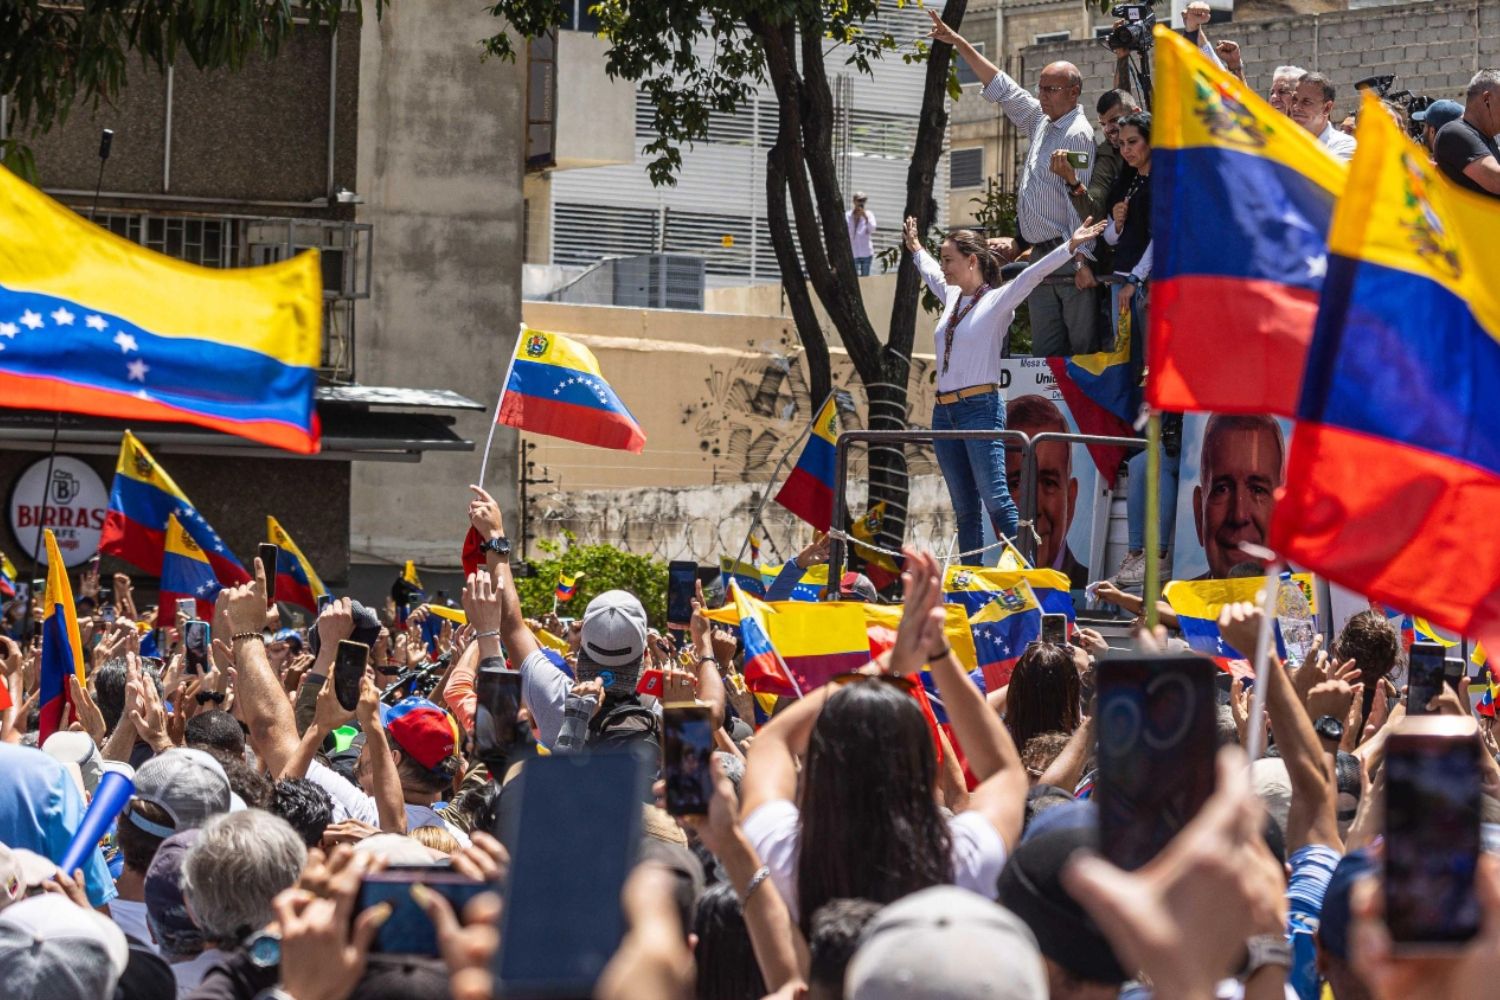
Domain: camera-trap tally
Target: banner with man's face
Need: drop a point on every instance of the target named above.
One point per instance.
(1231, 467)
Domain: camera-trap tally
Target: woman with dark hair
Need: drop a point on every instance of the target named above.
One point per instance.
(972, 335)
(1044, 693)
(727, 969)
(863, 822)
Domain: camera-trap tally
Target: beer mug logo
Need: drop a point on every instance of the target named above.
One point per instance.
(65, 487)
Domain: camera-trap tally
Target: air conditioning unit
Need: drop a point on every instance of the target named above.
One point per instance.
(659, 281)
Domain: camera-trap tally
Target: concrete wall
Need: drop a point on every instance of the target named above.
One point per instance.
(595, 114)
(440, 165)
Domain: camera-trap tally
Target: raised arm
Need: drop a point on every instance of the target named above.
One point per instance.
(771, 764)
(942, 34)
(929, 269)
(259, 694)
(1016, 292)
(484, 515)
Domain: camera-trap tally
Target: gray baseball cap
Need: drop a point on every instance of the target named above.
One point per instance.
(612, 641)
(188, 784)
(51, 949)
(946, 943)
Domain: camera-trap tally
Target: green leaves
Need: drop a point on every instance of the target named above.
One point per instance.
(604, 567)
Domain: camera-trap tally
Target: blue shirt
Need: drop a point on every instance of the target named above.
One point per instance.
(1312, 869)
(40, 807)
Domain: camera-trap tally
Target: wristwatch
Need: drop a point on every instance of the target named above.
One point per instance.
(1329, 728)
(1263, 950)
(500, 546)
(1132, 279)
(263, 949)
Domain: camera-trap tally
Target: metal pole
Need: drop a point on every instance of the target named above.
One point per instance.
(524, 475)
(1153, 516)
(1263, 662)
(775, 474)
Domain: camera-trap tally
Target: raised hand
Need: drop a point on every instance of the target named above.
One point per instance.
(909, 237)
(920, 637)
(940, 31)
(484, 514)
(1085, 233)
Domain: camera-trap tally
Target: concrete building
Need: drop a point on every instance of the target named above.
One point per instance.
(393, 148)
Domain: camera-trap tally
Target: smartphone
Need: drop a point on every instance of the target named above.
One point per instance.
(106, 613)
(497, 717)
(1431, 833)
(682, 587)
(651, 682)
(195, 645)
(687, 747)
(1079, 161)
(323, 602)
(269, 554)
(578, 837)
(1424, 675)
(187, 607)
(349, 672)
(1055, 629)
(408, 931)
(1453, 672)
(1157, 744)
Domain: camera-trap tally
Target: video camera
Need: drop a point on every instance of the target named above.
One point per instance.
(1412, 103)
(1134, 34)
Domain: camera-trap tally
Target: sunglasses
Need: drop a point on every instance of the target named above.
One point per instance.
(904, 683)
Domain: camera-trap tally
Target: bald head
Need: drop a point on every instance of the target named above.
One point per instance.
(1059, 89)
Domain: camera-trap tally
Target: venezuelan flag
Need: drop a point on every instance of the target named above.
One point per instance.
(1393, 482)
(764, 669)
(754, 548)
(1240, 214)
(93, 323)
(1486, 704)
(7, 576)
(1002, 630)
(296, 581)
(141, 499)
(879, 567)
(1197, 604)
(567, 586)
(185, 572)
(809, 586)
(743, 575)
(1103, 393)
(62, 650)
(808, 490)
(973, 587)
(555, 387)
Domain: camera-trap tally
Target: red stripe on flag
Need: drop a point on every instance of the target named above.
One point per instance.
(132, 541)
(1230, 345)
(583, 424)
(808, 497)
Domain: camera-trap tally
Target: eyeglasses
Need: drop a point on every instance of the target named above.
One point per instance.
(1044, 89)
(904, 683)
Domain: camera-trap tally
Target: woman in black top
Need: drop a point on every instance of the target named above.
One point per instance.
(1129, 230)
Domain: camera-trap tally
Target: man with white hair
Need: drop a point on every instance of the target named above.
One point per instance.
(1283, 86)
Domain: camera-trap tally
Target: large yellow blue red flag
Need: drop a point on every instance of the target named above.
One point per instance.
(62, 649)
(1242, 197)
(92, 323)
(555, 387)
(296, 580)
(808, 490)
(1393, 481)
(141, 498)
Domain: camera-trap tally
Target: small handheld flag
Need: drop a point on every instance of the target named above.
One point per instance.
(555, 387)
(296, 580)
(7, 576)
(567, 586)
(62, 649)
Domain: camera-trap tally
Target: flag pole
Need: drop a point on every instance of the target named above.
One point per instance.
(1262, 661)
(484, 462)
(775, 473)
(1153, 516)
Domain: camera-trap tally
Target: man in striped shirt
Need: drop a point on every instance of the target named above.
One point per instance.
(1064, 309)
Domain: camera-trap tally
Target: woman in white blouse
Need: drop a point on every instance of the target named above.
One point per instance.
(972, 336)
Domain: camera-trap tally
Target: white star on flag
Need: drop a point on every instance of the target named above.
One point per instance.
(9, 329)
(31, 320)
(1317, 267)
(126, 342)
(62, 317)
(137, 370)
(95, 322)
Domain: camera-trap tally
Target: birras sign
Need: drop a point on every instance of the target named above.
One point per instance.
(76, 503)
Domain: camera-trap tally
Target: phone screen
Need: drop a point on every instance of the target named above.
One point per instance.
(269, 554)
(1424, 677)
(497, 718)
(1055, 629)
(687, 747)
(187, 607)
(349, 672)
(324, 601)
(1431, 838)
(1453, 672)
(195, 645)
(682, 585)
(579, 834)
(1156, 750)
(408, 931)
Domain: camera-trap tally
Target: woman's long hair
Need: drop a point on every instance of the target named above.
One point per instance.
(1044, 693)
(971, 244)
(727, 969)
(871, 828)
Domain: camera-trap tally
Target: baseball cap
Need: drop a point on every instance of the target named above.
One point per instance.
(68, 747)
(188, 784)
(52, 949)
(1031, 887)
(166, 910)
(1337, 918)
(946, 943)
(612, 641)
(423, 731)
(860, 196)
(21, 870)
(1439, 113)
(858, 585)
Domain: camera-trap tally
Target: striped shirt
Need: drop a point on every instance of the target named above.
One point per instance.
(1043, 209)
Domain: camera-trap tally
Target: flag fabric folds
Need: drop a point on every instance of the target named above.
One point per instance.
(296, 580)
(567, 586)
(973, 587)
(1197, 604)
(92, 323)
(1103, 393)
(1393, 481)
(7, 576)
(555, 388)
(185, 572)
(742, 574)
(1002, 629)
(141, 499)
(62, 649)
(808, 490)
(879, 567)
(764, 669)
(1239, 225)
(814, 642)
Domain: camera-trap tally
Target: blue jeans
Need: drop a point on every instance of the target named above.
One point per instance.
(862, 266)
(975, 470)
(1135, 501)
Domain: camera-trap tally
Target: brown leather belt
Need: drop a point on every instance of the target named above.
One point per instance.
(967, 391)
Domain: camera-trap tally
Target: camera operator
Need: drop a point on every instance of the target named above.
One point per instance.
(1465, 149)
(1310, 105)
(1064, 314)
(1432, 119)
(1225, 55)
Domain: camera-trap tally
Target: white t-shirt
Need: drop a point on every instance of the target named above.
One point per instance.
(130, 917)
(978, 850)
(350, 802)
(189, 974)
(861, 233)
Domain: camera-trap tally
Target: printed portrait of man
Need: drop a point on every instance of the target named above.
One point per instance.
(1056, 488)
(1239, 470)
